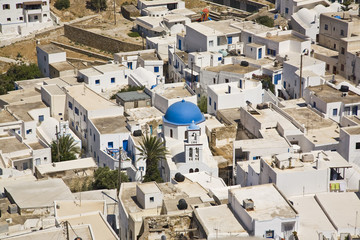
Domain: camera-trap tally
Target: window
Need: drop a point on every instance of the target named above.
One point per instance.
(84, 118)
(326, 27)
(8, 19)
(269, 234)
(97, 82)
(249, 39)
(21, 18)
(342, 67)
(6, 6)
(77, 128)
(29, 131)
(342, 50)
(94, 137)
(151, 199)
(112, 80)
(41, 118)
(334, 46)
(357, 146)
(342, 32)
(160, 127)
(354, 110)
(36, 17)
(44, 3)
(210, 101)
(215, 106)
(327, 67)
(169, 61)
(226, 80)
(335, 111)
(70, 105)
(286, 10)
(171, 133)
(76, 111)
(219, 58)
(141, 168)
(214, 80)
(190, 152)
(110, 144)
(347, 111)
(191, 170)
(156, 69)
(19, 5)
(211, 43)
(72, 123)
(196, 170)
(44, 15)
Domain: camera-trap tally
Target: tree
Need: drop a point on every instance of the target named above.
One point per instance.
(202, 104)
(97, 5)
(62, 4)
(17, 73)
(265, 20)
(152, 150)
(346, 5)
(64, 149)
(105, 178)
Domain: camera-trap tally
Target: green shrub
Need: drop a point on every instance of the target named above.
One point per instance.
(133, 34)
(62, 4)
(265, 20)
(96, 5)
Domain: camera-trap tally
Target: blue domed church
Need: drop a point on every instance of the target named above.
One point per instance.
(185, 138)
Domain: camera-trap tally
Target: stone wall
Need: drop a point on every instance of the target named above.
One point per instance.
(98, 41)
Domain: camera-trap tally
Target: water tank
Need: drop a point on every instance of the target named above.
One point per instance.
(244, 63)
(137, 133)
(182, 205)
(179, 177)
(344, 88)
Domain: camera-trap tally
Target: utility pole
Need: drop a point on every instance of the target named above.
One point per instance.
(192, 74)
(57, 141)
(119, 197)
(301, 65)
(115, 12)
(66, 223)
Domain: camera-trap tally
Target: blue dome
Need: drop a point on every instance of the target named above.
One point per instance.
(183, 113)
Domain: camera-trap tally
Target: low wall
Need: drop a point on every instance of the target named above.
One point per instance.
(98, 41)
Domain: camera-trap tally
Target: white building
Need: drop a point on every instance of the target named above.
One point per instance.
(306, 21)
(48, 54)
(164, 95)
(310, 69)
(234, 94)
(264, 211)
(308, 173)
(186, 141)
(288, 8)
(24, 17)
(142, 5)
(104, 77)
(333, 103)
(349, 146)
(83, 104)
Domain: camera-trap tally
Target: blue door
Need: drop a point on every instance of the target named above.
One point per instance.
(260, 53)
(180, 44)
(125, 145)
(285, 85)
(229, 40)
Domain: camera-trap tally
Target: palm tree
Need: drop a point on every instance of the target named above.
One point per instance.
(152, 149)
(64, 149)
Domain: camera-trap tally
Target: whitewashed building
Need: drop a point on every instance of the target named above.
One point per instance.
(48, 54)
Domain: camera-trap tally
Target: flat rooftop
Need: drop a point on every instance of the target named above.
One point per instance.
(108, 195)
(66, 165)
(36, 145)
(206, 180)
(149, 187)
(144, 114)
(173, 90)
(100, 227)
(109, 125)
(253, 27)
(9, 145)
(89, 99)
(233, 68)
(6, 117)
(218, 219)
(101, 69)
(132, 96)
(183, 56)
(22, 110)
(286, 37)
(39, 194)
(54, 89)
(355, 130)
(341, 208)
(311, 218)
(268, 202)
(329, 95)
(50, 48)
(62, 66)
(149, 56)
(67, 208)
(224, 26)
(309, 118)
(20, 95)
